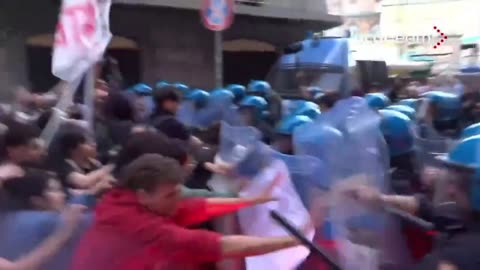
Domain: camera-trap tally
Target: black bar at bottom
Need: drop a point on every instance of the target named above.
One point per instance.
(297, 234)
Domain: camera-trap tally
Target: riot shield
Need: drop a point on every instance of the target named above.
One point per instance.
(307, 173)
(221, 108)
(276, 177)
(186, 112)
(367, 237)
(321, 139)
(428, 142)
(205, 116)
(242, 149)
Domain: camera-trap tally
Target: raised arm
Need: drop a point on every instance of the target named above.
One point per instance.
(199, 246)
(87, 181)
(195, 211)
(50, 246)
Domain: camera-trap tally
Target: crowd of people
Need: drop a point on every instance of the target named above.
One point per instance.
(144, 186)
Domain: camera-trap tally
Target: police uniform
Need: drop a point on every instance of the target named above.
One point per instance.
(458, 224)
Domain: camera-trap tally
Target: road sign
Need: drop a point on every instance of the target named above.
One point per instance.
(217, 15)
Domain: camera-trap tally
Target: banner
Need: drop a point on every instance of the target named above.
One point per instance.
(81, 37)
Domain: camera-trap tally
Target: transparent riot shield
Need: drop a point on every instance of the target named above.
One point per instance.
(231, 115)
(242, 149)
(285, 176)
(185, 113)
(308, 175)
(217, 110)
(428, 142)
(323, 140)
(367, 237)
(205, 116)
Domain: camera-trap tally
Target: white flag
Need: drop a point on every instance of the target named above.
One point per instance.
(81, 37)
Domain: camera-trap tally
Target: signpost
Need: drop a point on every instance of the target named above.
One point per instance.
(217, 16)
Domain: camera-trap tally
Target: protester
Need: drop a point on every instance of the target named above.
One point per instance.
(35, 259)
(146, 222)
(30, 215)
(80, 169)
(157, 143)
(167, 102)
(120, 118)
(22, 146)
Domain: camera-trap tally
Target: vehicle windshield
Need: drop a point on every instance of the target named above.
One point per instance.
(288, 82)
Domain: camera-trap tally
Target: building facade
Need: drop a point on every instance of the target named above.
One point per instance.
(359, 16)
(156, 40)
(457, 19)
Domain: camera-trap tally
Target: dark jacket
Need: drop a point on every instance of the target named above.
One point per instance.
(166, 123)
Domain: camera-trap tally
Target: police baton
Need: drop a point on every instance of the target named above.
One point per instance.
(410, 219)
(282, 221)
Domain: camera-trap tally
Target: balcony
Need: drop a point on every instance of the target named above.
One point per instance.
(309, 10)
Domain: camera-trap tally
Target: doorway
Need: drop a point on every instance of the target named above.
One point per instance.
(245, 60)
(39, 61)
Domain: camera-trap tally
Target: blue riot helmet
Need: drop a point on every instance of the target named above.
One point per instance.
(142, 99)
(222, 96)
(470, 131)
(189, 111)
(161, 84)
(284, 131)
(238, 90)
(465, 153)
(290, 123)
(377, 101)
(222, 103)
(319, 140)
(408, 111)
(309, 109)
(211, 108)
(199, 97)
(182, 89)
(252, 109)
(397, 131)
(447, 105)
(460, 169)
(261, 88)
(141, 89)
(410, 102)
(258, 103)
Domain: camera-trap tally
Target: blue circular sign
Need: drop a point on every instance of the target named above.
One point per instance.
(217, 15)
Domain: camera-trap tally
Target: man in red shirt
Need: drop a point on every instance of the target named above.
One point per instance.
(143, 225)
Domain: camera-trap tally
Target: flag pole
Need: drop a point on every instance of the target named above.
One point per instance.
(89, 97)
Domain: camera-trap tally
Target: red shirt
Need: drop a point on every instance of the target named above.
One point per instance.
(126, 235)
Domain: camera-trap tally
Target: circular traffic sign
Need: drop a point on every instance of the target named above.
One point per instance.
(217, 15)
